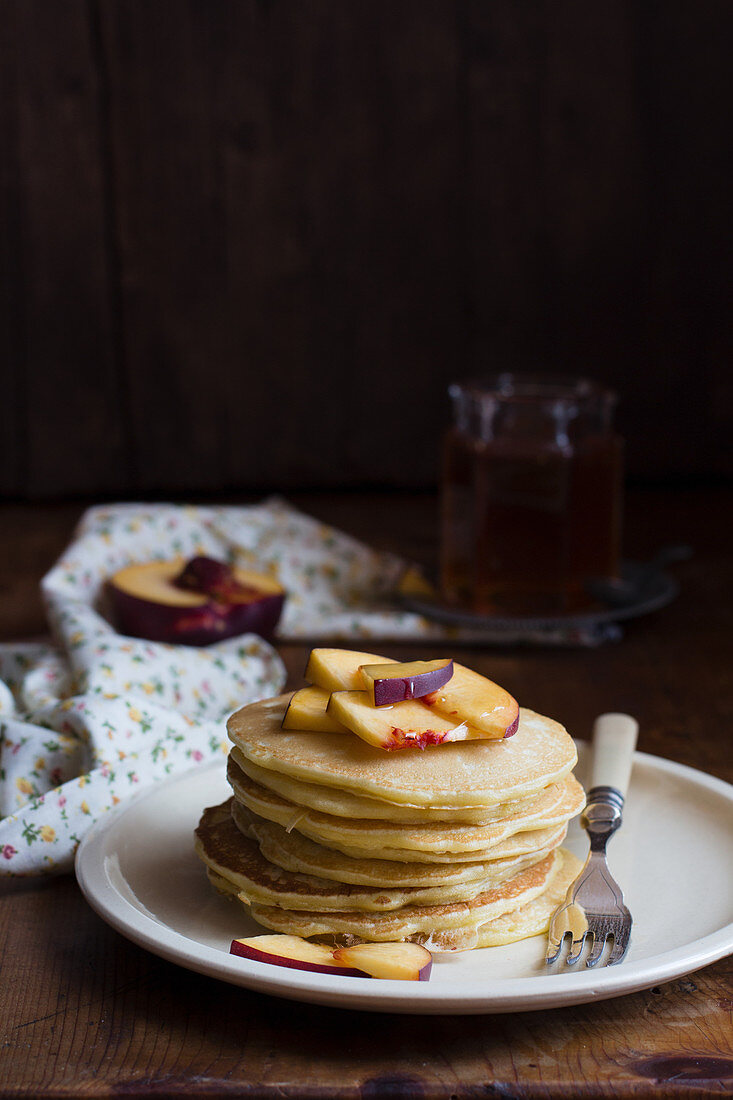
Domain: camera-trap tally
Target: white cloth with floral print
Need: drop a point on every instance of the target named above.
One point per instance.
(95, 716)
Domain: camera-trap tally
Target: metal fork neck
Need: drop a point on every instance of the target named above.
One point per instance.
(602, 815)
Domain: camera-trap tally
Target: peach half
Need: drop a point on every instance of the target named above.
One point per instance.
(193, 603)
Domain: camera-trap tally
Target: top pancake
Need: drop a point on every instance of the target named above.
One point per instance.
(457, 774)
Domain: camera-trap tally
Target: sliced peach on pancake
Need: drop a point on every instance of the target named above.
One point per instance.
(393, 683)
(405, 725)
(338, 669)
(307, 710)
(472, 698)
(468, 703)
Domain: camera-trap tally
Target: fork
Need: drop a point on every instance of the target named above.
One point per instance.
(594, 904)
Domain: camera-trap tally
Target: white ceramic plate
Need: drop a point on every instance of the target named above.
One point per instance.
(673, 857)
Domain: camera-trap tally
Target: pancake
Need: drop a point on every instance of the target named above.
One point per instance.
(221, 885)
(531, 919)
(518, 845)
(483, 773)
(294, 852)
(237, 867)
(554, 806)
(327, 800)
(413, 921)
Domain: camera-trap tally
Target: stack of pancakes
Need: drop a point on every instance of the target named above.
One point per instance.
(456, 846)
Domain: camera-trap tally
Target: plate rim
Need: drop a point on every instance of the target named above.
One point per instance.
(366, 994)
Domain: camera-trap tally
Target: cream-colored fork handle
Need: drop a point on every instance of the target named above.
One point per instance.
(614, 741)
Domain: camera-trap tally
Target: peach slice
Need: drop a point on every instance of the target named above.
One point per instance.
(402, 961)
(307, 711)
(196, 603)
(405, 725)
(472, 698)
(338, 669)
(294, 953)
(388, 683)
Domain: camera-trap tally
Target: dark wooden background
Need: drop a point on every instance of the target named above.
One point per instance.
(246, 244)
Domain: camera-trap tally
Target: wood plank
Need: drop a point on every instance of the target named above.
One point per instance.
(247, 245)
(12, 352)
(288, 209)
(555, 192)
(595, 191)
(598, 226)
(68, 399)
(685, 92)
(503, 61)
(386, 300)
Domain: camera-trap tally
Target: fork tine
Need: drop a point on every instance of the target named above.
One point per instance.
(599, 942)
(555, 947)
(576, 949)
(620, 946)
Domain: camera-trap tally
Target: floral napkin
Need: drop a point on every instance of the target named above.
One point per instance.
(94, 716)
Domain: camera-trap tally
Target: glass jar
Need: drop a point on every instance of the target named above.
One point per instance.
(531, 495)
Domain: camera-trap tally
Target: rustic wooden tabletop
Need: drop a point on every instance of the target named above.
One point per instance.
(84, 1012)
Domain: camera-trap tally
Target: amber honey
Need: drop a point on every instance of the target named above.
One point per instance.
(531, 500)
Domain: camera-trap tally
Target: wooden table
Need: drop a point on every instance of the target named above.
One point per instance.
(83, 1012)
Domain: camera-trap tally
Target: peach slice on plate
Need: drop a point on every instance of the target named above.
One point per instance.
(294, 953)
(399, 961)
(388, 683)
(193, 603)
